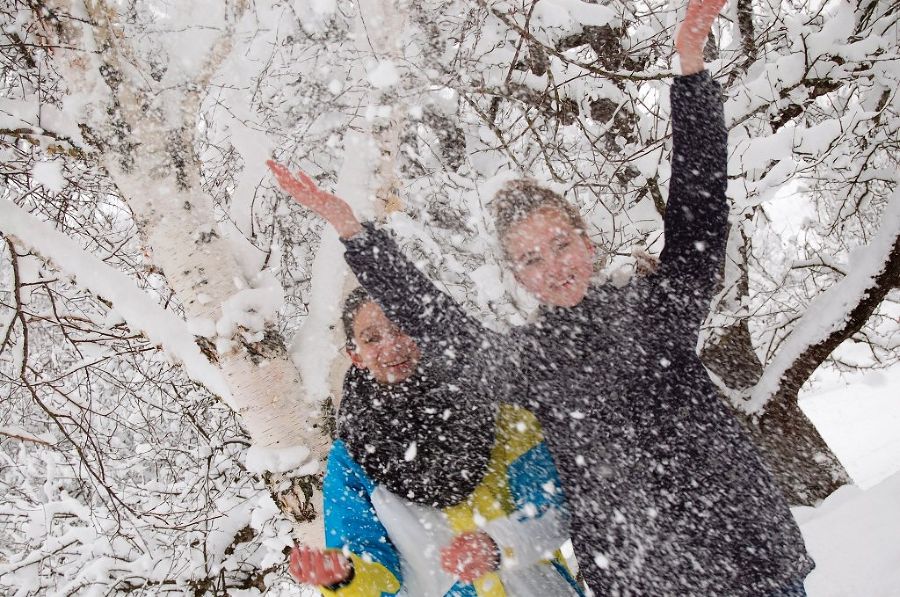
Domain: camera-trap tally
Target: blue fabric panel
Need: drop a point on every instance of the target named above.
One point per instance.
(462, 590)
(531, 475)
(350, 520)
(564, 572)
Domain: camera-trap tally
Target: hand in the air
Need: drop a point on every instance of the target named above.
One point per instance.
(320, 568)
(470, 556)
(330, 207)
(694, 30)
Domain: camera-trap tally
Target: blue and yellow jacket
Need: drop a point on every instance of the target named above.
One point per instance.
(395, 544)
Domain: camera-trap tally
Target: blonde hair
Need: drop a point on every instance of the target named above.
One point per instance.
(518, 198)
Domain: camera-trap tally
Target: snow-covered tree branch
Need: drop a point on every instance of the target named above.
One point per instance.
(168, 319)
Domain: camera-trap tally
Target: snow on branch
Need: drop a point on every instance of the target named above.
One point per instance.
(35, 118)
(22, 435)
(837, 308)
(138, 310)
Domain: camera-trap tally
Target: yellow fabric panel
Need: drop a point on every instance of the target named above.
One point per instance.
(370, 579)
(489, 585)
(460, 518)
(517, 432)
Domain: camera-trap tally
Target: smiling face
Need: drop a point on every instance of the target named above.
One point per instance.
(550, 257)
(381, 347)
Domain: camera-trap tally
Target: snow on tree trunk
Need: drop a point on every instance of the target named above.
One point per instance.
(874, 272)
(221, 307)
(806, 468)
(153, 166)
(318, 344)
(234, 319)
(833, 317)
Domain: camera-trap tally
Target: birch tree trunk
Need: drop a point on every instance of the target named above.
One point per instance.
(154, 167)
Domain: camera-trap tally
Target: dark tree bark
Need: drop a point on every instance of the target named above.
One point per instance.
(781, 429)
(806, 468)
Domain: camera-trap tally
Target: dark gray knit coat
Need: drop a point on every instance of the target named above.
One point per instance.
(668, 495)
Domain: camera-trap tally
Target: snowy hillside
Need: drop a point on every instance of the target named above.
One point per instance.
(854, 535)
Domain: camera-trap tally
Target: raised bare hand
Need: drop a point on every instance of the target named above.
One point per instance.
(693, 32)
(303, 189)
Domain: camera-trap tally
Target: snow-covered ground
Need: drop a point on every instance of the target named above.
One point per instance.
(854, 535)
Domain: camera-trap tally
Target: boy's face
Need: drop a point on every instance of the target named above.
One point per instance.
(387, 353)
(550, 257)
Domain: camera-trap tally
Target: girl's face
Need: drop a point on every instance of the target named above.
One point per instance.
(387, 353)
(550, 257)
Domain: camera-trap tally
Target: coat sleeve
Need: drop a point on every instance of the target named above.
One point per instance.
(351, 525)
(540, 525)
(696, 220)
(438, 324)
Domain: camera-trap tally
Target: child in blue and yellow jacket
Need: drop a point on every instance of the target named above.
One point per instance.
(429, 493)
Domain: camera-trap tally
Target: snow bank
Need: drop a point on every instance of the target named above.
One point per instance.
(858, 415)
(854, 534)
(854, 538)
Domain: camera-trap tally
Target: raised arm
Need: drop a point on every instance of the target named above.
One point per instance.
(408, 297)
(330, 208)
(696, 221)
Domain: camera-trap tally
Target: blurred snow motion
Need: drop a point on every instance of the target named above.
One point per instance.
(139, 131)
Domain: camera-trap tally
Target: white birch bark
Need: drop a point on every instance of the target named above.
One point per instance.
(158, 177)
(153, 166)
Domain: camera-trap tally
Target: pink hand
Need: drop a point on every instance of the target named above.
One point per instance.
(470, 556)
(303, 189)
(316, 567)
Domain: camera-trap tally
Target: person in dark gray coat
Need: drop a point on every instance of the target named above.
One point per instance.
(668, 494)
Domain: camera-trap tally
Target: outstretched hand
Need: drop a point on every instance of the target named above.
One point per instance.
(694, 30)
(319, 568)
(303, 189)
